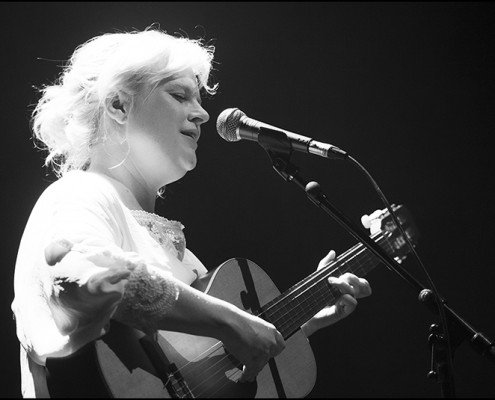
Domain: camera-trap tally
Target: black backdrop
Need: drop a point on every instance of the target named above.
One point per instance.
(406, 88)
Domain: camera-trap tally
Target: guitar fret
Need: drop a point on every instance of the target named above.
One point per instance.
(302, 301)
(318, 299)
(311, 304)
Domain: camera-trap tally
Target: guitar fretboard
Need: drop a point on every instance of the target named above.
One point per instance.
(289, 311)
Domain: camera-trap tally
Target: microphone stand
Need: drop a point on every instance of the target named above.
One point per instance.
(279, 149)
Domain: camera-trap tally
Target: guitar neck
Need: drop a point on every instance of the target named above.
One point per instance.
(289, 311)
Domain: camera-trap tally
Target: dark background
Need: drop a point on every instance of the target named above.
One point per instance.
(406, 88)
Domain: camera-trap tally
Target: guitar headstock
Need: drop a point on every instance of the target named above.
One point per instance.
(382, 221)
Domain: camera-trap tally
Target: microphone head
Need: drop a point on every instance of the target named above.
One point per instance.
(228, 124)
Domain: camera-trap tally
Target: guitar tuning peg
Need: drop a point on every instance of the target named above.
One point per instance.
(366, 221)
(373, 218)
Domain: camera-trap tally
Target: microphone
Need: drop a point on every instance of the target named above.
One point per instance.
(233, 125)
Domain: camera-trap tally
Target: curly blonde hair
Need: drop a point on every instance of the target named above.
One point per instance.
(67, 120)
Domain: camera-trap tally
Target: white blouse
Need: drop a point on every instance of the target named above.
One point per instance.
(87, 210)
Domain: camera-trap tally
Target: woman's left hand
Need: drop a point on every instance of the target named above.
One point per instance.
(350, 286)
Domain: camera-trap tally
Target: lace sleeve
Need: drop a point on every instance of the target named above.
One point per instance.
(147, 298)
(92, 285)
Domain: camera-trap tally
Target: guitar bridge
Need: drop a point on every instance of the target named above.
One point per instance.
(168, 372)
(176, 385)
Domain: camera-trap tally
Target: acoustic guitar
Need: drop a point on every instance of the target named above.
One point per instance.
(175, 364)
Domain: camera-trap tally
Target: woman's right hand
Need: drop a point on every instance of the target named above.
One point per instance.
(253, 341)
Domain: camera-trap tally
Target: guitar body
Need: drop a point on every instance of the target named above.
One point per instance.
(204, 368)
(181, 365)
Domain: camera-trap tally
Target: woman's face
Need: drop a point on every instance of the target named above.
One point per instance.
(164, 129)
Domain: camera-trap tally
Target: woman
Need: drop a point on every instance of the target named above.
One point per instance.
(121, 123)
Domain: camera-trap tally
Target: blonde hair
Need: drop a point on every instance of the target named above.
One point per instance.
(67, 120)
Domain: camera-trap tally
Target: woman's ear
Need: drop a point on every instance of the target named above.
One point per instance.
(117, 107)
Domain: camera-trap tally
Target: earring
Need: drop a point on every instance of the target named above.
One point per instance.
(127, 152)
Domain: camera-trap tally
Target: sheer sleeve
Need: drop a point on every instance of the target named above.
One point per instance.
(91, 284)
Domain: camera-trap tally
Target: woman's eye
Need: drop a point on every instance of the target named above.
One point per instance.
(179, 96)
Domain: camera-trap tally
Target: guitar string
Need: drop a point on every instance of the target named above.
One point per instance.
(210, 380)
(314, 279)
(323, 271)
(292, 324)
(344, 267)
(342, 259)
(238, 372)
(199, 365)
(230, 379)
(325, 297)
(270, 305)
(219, 371)
(302, 287)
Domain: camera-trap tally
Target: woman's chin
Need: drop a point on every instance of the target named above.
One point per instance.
(191, 163)
(180, 173)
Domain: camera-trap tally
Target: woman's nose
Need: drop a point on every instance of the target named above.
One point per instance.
(199, 115)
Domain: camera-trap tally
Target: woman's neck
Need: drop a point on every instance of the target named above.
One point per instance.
(134, 192)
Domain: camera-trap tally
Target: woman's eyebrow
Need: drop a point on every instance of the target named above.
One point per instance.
(186, 87)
